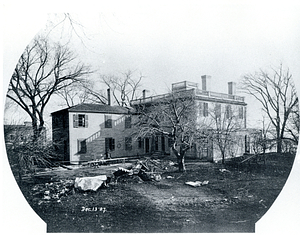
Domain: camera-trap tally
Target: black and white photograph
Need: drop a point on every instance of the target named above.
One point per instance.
(150, 117)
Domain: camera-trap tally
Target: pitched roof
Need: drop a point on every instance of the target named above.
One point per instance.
(97, 108)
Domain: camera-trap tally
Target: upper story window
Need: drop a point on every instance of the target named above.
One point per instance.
(127, 122)
(218, 110)
(108, 121)
(228, 111)
(203, 109)
(80, 120)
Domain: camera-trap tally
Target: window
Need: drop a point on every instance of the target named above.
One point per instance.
(127, 122)
(128, 143)
(80, 120)
(228, 112)
(81, 146)
(163, 145)
(200, 109)
(203, 109)
(108, 121)
(156, 143)
(109, 144)
(218, 110)
(241, 112)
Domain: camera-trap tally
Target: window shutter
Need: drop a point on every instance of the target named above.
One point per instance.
(86, 121)
(75, 120)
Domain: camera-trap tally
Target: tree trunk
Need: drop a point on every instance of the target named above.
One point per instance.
(180, 158)
(181, 165)
(278, 134)
(223, 157)
(279, 145)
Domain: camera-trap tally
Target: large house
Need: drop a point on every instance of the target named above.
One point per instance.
(91, 131)
(212, 110)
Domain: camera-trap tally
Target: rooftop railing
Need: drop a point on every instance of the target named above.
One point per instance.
(196, 92)
(220, 95)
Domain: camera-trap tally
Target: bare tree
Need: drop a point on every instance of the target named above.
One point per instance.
(97, 96)
(173, 115)
(65, 25)
(277, 95)
(293, 126)
(261, 139)
(124, 88)
(226, 125)
(76, 93)
(43, 69)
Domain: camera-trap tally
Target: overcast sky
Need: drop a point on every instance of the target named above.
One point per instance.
(170, 42)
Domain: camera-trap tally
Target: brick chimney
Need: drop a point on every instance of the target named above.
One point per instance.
(231, 88)
(145, 93)
(206, 82)
(108, 96)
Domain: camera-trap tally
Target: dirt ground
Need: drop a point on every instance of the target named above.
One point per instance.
(233, 200)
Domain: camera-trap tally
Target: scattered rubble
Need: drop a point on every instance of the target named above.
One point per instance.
(224, 170)
(52, 191)
(147, 169)
(262, 203)
(196, 183)
(122, 171)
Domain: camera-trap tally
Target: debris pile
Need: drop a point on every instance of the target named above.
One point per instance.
(100, 162)
(142, 170)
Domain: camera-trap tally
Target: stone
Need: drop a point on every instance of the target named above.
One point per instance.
(197, 183)
(90, 183)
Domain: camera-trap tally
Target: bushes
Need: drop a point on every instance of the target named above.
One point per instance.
(25, 157)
